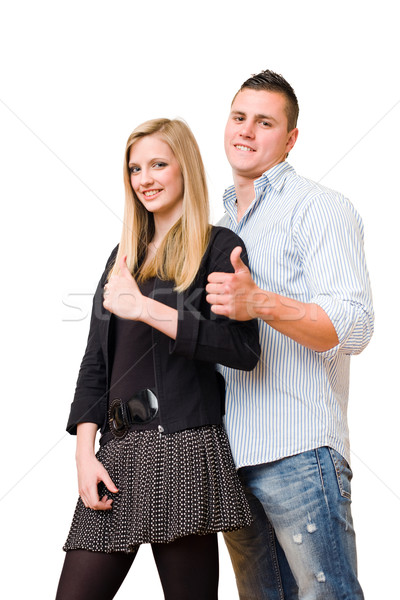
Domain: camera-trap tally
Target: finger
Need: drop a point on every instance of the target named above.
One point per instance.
(220, 309)
(217, 299)
(84, 500)
(92, 496)
(218, 277)
(236, 261)
(215, 288)
(106, 500)
(102, 504)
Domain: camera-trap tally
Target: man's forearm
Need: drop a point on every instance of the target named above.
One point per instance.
(306, 324)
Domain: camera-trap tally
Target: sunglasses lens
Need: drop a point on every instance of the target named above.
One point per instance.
(143, 407)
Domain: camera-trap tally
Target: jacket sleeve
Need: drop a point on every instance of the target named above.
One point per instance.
(201, 334)
(90, 400)
(329, 235)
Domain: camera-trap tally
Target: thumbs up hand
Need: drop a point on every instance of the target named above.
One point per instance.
(122, 296)
(234, 295)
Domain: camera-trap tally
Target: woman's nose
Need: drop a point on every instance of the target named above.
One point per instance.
(146, 177)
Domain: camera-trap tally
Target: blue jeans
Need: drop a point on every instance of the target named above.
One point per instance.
(301, 545)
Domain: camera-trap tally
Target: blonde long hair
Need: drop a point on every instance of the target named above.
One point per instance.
(178, 257)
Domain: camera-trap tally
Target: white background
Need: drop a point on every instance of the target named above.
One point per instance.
(75, 79)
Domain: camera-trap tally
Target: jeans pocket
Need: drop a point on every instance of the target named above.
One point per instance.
(343, 473)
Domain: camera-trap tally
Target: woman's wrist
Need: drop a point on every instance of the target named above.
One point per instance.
(160, 316)
(85, 438)
(84, 454)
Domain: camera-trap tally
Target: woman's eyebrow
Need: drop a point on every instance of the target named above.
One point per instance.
(156, 158)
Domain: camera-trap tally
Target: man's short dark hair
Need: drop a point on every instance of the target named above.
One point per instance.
(272, 82)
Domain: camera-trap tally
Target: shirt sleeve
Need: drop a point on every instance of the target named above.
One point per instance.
(201, 334)
(329, 236)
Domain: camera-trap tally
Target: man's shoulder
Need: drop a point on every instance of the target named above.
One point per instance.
(306, 188)
(306, 193)
(225, 222)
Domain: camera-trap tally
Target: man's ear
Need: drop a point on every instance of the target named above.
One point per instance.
(292, 138)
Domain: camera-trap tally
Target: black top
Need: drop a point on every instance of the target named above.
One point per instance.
(131, 346)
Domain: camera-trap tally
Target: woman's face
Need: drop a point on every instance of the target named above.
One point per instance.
(156, 177)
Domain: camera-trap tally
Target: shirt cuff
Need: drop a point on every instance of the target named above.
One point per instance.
(343, 317)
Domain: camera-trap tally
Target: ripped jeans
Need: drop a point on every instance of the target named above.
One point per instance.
(301, 545)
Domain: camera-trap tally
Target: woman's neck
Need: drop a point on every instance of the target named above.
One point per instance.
(161, 228)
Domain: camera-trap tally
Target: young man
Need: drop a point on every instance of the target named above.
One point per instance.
(286, 420)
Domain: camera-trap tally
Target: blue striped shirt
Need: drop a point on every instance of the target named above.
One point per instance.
(304, 241)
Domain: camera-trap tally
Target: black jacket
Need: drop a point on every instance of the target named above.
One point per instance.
(190, 391)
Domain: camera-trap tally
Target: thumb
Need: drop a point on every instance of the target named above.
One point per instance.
(123, 267)
(106, 479)
(236, 261)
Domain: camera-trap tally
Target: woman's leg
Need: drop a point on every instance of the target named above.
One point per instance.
(93, 575)
(188, 567)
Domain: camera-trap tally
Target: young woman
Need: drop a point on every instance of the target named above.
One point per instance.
(164, 474)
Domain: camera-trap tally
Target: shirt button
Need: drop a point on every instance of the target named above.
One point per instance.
(160, 429)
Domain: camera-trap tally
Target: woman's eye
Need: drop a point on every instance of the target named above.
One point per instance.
(159, 165)
(134, 170)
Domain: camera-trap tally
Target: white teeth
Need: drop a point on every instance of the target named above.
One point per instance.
(246, 148)
(151, 193)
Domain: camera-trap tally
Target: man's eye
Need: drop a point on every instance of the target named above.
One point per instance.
(134, 170)
(239, 119)
(265, 124)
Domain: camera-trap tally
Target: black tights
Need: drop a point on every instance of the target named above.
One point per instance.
(188, 569)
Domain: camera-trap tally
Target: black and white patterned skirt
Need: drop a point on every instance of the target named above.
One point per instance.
(170, 485)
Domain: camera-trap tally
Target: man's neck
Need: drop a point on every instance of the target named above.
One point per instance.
(244, 189)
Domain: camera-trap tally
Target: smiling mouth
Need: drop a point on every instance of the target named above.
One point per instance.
(150, 193)
(245, 148)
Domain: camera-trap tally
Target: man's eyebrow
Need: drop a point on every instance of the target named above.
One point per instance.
(266, 117)
(258, 116)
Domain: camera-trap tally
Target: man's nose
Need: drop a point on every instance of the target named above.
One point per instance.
(247, 130)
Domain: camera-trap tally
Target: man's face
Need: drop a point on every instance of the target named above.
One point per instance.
(256, 135)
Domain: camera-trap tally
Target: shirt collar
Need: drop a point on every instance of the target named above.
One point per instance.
(275, 177)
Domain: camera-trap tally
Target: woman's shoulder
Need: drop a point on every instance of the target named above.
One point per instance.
(224, 234)
(109, 264)
(222, 242)
(112, 257)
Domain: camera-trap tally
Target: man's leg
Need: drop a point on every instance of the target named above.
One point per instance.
(261, 568)
(307, 500)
